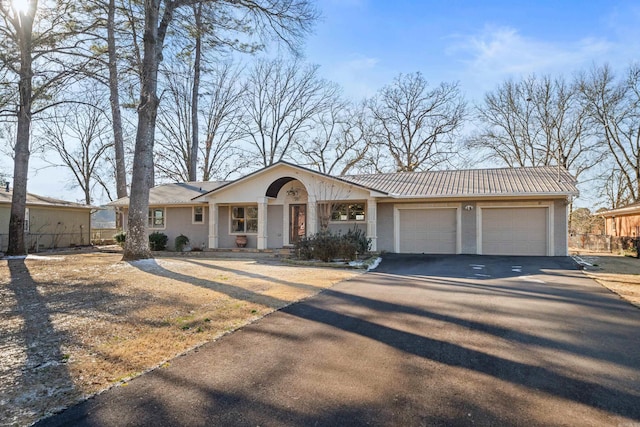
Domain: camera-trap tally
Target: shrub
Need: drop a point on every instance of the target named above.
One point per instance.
(304, 248)
(120, 237)
(158, 241)
(180, 242)
(359, 238)
(327, 246)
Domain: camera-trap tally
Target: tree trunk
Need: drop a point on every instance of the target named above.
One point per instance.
(137, 243)
(193, 157)
(114, 98)
(24, 26)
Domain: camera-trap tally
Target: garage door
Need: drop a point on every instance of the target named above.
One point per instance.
(514, 231)
(429, 231)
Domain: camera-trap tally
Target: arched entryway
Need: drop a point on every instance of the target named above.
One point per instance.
(290, 203)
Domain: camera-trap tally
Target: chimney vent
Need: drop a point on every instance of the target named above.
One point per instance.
(7, 187)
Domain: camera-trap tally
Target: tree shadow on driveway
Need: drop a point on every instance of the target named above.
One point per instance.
(404, 344)
(534, 377)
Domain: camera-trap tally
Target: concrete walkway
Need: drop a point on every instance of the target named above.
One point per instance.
(422, 341)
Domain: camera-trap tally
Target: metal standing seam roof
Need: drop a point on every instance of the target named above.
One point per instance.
(178, 193)
(472, 182)
(531, 181)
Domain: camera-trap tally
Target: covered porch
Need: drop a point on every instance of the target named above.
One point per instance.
(277, 206)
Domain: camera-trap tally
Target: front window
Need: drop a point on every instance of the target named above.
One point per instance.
(244, 219)
(348, 212)
(156, 218)
(198, 214)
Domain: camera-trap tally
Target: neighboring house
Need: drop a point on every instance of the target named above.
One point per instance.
(49, 223)
(511, 211)
(623, 221)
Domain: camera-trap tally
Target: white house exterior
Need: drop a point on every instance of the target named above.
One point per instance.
(510, 211)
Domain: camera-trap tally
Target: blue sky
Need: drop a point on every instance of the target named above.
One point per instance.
(363, 44)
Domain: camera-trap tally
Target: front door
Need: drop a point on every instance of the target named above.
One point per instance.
(297, 221)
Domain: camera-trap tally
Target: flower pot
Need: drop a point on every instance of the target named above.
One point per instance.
(241, 241)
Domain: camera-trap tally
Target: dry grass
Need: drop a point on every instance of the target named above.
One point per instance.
(620, 274)
(72, 325)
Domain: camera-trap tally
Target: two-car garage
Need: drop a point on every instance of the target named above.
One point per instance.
(500, 229)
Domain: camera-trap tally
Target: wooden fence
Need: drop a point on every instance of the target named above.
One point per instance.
(601, 243)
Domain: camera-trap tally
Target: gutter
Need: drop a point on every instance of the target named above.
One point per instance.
(476, 196)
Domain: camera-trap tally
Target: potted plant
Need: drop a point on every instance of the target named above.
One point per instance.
(241, 241)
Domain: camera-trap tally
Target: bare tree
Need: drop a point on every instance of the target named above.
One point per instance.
(39, 54)
(202, 47)
(7, 136)
(106, 55)
(287, 20)
(223, 114)
(329, 196)
(414, 123)
(282, 100)
(338, 142)
(613, 187)
(79, 134)
(172, 160)
(536, 122)
(614, 108)
(506, 118)
(112, 53)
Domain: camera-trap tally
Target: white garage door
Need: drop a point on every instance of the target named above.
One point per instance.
(429, 231)
(514, 231)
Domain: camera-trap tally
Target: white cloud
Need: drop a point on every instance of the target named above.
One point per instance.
(496, 54)
(358, 75)
(361, 63)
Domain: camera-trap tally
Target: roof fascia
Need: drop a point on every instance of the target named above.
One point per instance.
(630, 210)
(45, 206)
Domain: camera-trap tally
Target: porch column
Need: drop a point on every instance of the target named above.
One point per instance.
(372, 219)
(213, 225)
(312, 215)
(262, 223)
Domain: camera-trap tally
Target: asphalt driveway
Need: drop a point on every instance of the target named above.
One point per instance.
(423, 340)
